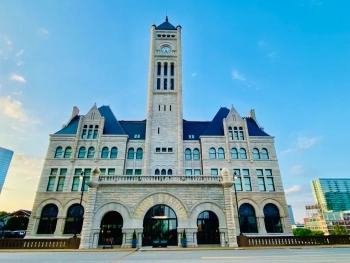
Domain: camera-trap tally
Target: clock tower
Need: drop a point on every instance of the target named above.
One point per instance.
(164, 128)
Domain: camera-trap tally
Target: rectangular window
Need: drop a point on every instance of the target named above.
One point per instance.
(235, 135)
(238, 184)
(247, 185)
(164, 107)
(87, 171)
(237, 172)
(157, 150)
(197, 172)
(128, 171)
(86, 180)
(268, 172)
(172, 70)
(245, 172)
(78, 171)
(163, 150)
(89, 134)
(214, 171)
(261, 183)
(172, 84)
(158, 83)
(53, 171)
(188, 172)
(259, 172)
(170, 150)
(165, 69)
(75, 185)
(165, 84)
(51, 183)
(60, 183)
(103, 171)
(63, 171)
(95, 134)
(270, 184)
(111, 171)
(138, 171)
(83, 135)
(241, 135)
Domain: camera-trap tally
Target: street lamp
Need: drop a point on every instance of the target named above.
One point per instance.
(234, 185)
(82, 175)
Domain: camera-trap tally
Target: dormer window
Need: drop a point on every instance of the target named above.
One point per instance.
(191, 136)
(136, 136)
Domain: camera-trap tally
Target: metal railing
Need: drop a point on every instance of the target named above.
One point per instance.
(57, 243)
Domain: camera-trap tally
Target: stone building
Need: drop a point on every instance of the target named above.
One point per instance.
(160, 176)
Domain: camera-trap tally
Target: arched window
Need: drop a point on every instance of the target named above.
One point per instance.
(230, 133)
(131, 153)
(188, 154)
(104, 153)
(256, 155)
(212, 153)
(170, 172)
(91, 152)
(272, 219)
(48, 219)
(196, 154)
(157, 172)
(67, 152)
(114, 153)
(74, 220)
(159, 67)
(247, 219)
(58, 153)
(172, 71)
(264, 154)
(241, 134)
(235, 133)
(165, 69)
(139, 153)
(163, 172)
(221, 153)
(234, 153)
(82, 152)
(242, 153)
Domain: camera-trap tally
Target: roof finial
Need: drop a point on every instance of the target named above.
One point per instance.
(166, 19)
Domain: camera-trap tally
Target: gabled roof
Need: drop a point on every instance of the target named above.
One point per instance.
(112, 126)
(253, 128)
(215, 127)
(134, 128)
(195, 128)
(71, 128)
(166, 25)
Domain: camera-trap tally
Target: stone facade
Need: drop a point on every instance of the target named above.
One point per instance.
(161, 172)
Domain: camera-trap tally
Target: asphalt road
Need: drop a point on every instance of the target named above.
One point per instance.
(310, 255)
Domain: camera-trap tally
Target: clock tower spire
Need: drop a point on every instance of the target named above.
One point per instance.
(164, 129)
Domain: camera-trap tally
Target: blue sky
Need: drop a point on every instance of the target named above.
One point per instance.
(288, 60)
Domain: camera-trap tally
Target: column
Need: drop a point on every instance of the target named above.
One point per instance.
(179, 239)
(261, 224)
(86, 238)
(139, 240)
(195, 244)
(123, 240)
(230, 220)
(59, 226)
(222, 239)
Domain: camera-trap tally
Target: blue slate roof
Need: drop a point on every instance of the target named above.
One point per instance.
(133, 128)
(253, 128)
(166, 25)
(215, 127)
(195, 128)
(71, 128)
(111, 126)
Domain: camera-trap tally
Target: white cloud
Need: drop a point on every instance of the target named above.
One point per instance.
(306, 143)
(20, 53)
(20, 63)
(8, 41)
(18, 78)
(261, 43)
(236, 75)
(12, 109)
(271, 54)
(194, 74)
(294, 188)
(44, 31)
(297, 170)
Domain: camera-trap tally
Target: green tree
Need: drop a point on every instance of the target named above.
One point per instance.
(301, 232)
(339, 230)
(3, 213)
(317, 233)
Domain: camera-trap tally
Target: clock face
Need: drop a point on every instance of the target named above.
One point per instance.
(165, 50)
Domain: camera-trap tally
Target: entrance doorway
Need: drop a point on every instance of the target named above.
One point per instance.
(111, 229)
(208, 228)
(160, 227)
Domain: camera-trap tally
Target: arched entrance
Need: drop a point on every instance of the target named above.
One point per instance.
(247, 219)
(160, 227)
(272, 219)
(111, 229)
(208, 228)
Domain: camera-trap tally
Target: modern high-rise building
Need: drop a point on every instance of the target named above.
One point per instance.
(163, 175)
(5, 160)
(332, 194)
(291, 215)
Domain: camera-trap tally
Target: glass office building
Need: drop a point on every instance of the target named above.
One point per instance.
(332, 194)
(5, 160)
